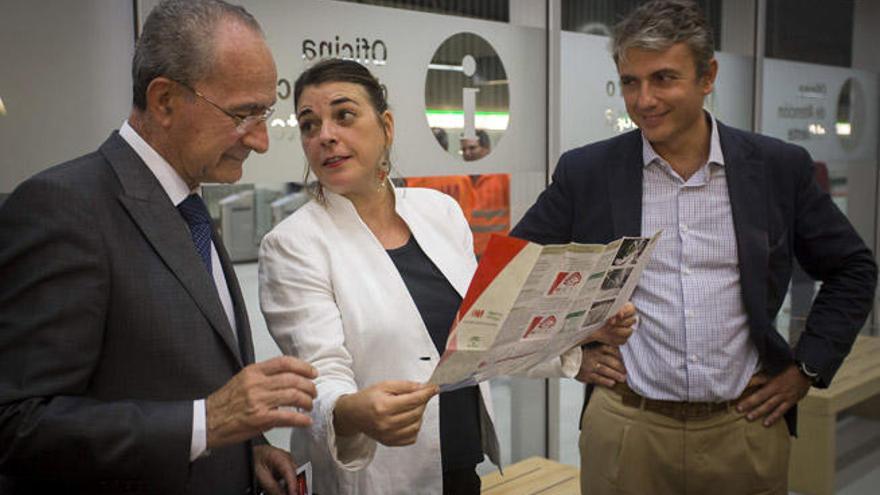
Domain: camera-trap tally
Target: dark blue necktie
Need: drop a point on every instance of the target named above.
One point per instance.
(197, 217)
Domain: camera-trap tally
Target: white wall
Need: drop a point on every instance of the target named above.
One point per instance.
(64, 79)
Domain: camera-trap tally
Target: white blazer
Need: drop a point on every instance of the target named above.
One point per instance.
(333, 297)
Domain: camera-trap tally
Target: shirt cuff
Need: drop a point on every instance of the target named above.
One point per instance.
(350, 453)
(571, 362)
(199, 444)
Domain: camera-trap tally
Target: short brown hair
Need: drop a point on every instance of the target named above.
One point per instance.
(659, 24)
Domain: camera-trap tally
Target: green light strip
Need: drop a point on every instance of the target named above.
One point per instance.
(432, 111)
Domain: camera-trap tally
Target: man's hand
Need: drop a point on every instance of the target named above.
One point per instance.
(272, 464)
(617, 329)
(389, 412)
(602, 365)
(251, 402)
(776, 395)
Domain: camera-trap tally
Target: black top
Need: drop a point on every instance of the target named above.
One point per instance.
(437, 302)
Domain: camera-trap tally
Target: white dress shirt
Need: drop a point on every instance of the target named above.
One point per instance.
(692, 341)
(177, 191)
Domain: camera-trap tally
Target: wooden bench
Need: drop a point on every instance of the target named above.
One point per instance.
(533, 476)
(813, 453)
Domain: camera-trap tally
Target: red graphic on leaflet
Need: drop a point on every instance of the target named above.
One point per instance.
(541, 325)
(564, 283)
(500, 251)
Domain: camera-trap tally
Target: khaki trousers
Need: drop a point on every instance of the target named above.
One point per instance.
(627, 450)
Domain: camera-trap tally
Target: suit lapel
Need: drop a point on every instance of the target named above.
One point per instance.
(166, 231)
(747, 186)
(241, 318)
(625, 184)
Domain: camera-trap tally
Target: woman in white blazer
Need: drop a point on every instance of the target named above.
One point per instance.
(363, 283)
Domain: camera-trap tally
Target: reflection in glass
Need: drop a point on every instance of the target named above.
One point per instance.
(467, 98)
(484, 200)
(850, 114)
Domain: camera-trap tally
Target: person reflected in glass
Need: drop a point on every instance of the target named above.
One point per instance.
(474, 149)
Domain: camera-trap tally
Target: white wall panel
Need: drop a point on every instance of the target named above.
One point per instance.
(64, 79)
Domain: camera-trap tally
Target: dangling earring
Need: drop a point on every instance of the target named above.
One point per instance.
(315, 190)
(384, 167)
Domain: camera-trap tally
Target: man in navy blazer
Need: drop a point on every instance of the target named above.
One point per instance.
(690, 404)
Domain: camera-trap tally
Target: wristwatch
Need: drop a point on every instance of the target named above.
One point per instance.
(808, 372)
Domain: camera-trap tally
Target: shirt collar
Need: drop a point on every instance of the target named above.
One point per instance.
(168, 178)
(715, 154)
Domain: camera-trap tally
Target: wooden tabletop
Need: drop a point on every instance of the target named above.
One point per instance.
(857, 379)
(534, 475)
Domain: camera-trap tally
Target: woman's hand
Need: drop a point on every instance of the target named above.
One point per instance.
(389, 412)
(617, 329)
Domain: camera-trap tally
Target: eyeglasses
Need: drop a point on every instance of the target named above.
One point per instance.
(243, 125)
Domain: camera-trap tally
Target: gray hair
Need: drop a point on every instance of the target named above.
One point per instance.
(659, 24)
(178, 42)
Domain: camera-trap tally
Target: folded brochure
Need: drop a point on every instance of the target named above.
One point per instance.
(529, 303)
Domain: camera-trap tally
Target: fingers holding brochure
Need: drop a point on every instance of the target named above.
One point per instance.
(617, 329)
(389, 412)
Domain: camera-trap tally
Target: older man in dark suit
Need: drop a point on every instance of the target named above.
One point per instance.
(125, 349)
(691, 403)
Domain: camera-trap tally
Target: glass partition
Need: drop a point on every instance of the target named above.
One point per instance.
(815, 95)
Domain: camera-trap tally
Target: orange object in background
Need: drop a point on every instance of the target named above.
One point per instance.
(484, 199)
(457, 186)
(491, 208)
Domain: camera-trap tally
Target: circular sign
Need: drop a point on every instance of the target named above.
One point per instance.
(467, 99)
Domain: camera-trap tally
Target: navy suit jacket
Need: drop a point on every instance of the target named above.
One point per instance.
(779, 214)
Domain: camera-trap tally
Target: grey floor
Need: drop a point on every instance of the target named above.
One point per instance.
(858, 457)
